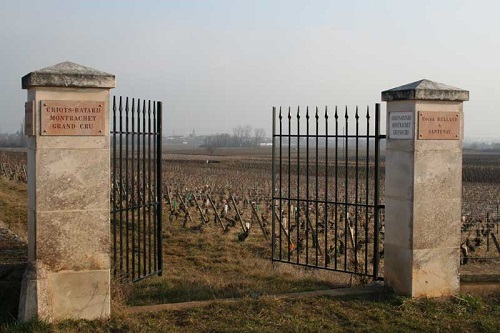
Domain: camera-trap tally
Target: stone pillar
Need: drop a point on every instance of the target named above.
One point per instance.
(423, 188)
(67, 124)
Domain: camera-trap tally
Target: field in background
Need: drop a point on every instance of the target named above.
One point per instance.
(203, 262)
(245, 174)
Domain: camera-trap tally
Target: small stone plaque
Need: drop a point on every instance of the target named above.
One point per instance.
(75, 118)
(29, 118)
(439, 125)
(401, 125)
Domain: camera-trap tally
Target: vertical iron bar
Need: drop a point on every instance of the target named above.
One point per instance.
(132, 186)
(281, 177)
(346, 192)
(297, 214)
(316, 237)
(376, 194)
(289, 216)
(144, 203)
(120, 166)
(157, 199)
(326, 188)
(273, 196)
(138, 188)
(367, 184)
(487, 237)
(159, 169)
(127, 201)
(336, 184)
(150, 188)
(154, 204)
(114, 186)
(356, 192)
(498, 217)
(307, 186)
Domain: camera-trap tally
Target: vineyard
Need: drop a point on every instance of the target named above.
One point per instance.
(212, 191)
(13, 165)
(480, 208)
(231, 192)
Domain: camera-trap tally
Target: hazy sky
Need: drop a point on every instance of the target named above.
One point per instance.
(219, 64)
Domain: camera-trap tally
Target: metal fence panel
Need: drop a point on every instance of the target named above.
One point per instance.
(136, 192)
(326, 196)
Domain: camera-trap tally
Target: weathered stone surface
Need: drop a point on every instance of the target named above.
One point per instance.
(399, 194)
(439, 106)
(435, 272)
(439, 170)
(437, 207)
(72, 179)
(434, 227)
(36, 298)
(74, 142)
(68, 200)
(398, 231)
(432, 273)
(73, 240)
(399, 164)
(425, 90)
(397, 270)
(68, 74)
(82, 294)
(423, 197)
(400, 145)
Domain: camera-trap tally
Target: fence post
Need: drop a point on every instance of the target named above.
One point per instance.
(67, 124)
(423, 188)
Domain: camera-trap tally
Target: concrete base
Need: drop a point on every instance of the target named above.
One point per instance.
(35, 300)
(483, 289)
(64, 295)
(422, 273)
(82, 294)
(480, 279)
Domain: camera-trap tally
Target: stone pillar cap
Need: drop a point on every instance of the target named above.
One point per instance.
(68, 74)
(425, 90)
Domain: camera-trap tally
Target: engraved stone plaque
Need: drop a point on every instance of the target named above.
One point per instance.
(76, 118)
(439, 125)
(29, 118)
(401, 125)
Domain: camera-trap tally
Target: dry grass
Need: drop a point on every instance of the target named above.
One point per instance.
(376, 313)
(14, 206)
(201, 263)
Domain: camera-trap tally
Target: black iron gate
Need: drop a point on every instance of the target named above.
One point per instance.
(326, 190)
(136, 191)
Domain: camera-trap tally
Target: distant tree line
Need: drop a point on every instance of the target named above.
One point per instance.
(482, 146)
(13, 140)
(242, 137)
